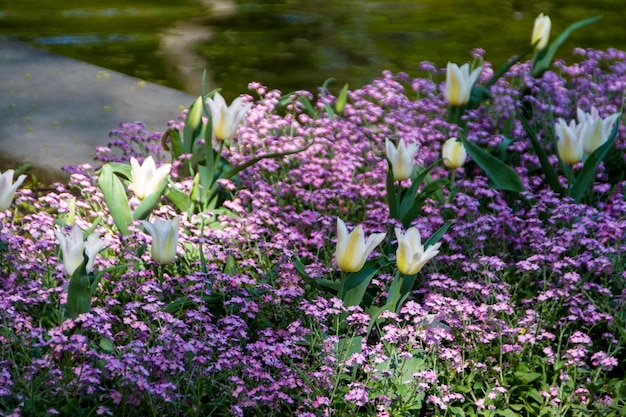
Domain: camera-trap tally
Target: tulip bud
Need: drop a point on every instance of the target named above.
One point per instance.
(164, 239)
(459, 83)
(352, 249)
(7, 188)
(226, 119)
(402, 159)
(147, 178)
(194, 115)
(541, 32)
(454, 153)
(410, 255)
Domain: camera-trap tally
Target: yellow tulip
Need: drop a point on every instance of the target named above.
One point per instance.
(352, 249)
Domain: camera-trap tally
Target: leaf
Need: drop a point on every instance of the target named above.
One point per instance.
(356, 283)
(507, 412)
(79, 292)
(179, 198)
(548, 170)
(342, 99)
(123, 170)
(432, 188)
(542, 60)
(503, 69)
(500, 176)
(308, 107)
(115, 198)
(458, 411)
(349, 346)
(144, 208)
(435, 237)
(527, 377)
(230, 267)
(587, 175)
(300, 267)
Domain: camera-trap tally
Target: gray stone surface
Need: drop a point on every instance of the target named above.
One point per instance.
(55, 111)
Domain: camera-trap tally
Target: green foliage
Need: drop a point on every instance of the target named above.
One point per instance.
(500, 175)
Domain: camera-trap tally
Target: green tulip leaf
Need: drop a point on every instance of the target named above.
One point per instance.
(176, 143)
(407, 215)
(436, 237)
(179, 198)
(144, 208)
(342, 99)
(552, 177)
(123, 170)
(115, 198)
(587, 175)
(503, 69)
(79, 292)
(500, 176)
(356, 283)
(542, 60)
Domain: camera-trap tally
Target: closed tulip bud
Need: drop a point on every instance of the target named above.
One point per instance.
(541, 32)
(410, 255)
(73, 246)
(164, 239)
(402, 158)
(570, 141)
(459, 83)
(226, 119)
(147, 178)
(352, 249)
(7, 188)
(194, 116)
(454, 153)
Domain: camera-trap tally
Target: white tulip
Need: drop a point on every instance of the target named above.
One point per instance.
(402, 158)
(164, 239)
(7, 188)
(226, 119)
(459, 83)
(147, 178)
(73, 246)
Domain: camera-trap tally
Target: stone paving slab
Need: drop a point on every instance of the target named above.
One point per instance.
(55, 111)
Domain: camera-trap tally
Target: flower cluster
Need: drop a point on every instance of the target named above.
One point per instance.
(518, 308)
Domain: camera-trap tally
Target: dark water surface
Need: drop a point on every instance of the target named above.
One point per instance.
(296, 44)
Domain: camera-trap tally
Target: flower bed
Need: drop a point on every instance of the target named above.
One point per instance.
(522, 311)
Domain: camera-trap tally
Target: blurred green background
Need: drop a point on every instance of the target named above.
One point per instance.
(295, 44)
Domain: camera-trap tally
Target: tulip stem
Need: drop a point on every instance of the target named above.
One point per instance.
(452, 189)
